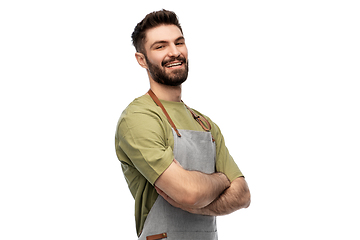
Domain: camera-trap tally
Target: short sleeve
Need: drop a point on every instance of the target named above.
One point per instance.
(224, 161)
(142, 138)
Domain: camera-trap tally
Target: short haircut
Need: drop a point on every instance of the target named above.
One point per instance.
(152, 20)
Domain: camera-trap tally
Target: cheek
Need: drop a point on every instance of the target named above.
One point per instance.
(185, 52)
(156, 59)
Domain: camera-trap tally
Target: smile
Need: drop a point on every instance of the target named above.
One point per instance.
(173, 65)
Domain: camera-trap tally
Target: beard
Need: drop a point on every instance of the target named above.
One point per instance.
(175, 78)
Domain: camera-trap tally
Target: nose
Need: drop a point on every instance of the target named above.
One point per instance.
(174, 51)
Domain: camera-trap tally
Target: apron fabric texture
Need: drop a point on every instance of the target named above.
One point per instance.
(194, 150)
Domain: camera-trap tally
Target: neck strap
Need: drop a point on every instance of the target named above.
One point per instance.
(157, 101)
(200, 119)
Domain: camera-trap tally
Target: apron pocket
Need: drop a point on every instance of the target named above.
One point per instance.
(157, 236)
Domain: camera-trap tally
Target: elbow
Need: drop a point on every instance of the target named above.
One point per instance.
(246, 196)
(247, 199)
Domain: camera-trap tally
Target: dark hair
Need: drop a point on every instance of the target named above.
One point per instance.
(152, 20)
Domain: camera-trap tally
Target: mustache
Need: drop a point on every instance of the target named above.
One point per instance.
(180, 58)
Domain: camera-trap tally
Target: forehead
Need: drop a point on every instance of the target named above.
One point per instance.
(166, 33)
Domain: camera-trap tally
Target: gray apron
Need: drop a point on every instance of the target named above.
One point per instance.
(194, 150)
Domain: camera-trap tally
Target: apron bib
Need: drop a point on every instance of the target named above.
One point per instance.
(194, 150)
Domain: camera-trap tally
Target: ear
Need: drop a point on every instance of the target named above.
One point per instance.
(141, 60)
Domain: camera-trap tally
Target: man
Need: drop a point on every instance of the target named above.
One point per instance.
(174, 159)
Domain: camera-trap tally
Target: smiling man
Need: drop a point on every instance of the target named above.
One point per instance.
(174, 158)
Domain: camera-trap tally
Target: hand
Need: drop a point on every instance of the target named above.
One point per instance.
(225, 179)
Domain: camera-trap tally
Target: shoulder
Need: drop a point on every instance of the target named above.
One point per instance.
(139, 114)
(142, 105)
(139, 108)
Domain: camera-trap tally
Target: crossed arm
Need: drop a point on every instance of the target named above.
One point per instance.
(200, 193)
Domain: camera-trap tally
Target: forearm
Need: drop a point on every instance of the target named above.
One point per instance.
(206, 187)
(237, 196)
(190, 188)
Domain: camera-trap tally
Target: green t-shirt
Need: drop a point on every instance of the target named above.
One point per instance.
(144, 145)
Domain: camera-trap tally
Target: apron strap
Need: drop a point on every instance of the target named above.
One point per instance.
(157, 101)
(200, 119)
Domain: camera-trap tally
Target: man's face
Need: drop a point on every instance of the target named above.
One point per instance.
(166, 55)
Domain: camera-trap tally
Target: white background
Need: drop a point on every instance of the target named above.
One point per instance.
(280, 78)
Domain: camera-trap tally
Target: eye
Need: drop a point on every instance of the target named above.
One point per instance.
(159, 47)
(180, 43)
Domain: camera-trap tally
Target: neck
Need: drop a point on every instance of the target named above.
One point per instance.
(164, 92)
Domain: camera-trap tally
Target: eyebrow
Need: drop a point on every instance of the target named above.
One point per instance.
(162, 41)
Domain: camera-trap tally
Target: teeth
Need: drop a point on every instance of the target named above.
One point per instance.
(174, 64)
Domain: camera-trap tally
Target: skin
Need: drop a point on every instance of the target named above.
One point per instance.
(192, 191)
(157, 53)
